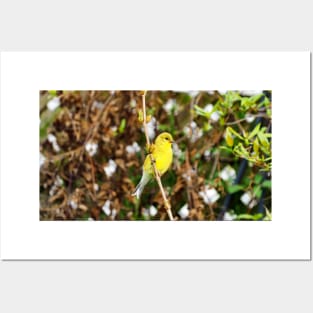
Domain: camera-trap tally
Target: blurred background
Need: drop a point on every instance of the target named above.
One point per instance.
(92, 147)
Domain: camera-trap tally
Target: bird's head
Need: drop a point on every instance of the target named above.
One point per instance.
(164, 139)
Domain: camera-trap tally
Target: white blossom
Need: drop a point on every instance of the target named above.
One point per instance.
(57, 183)
(42, 159)
(132, 149)
(106, 207)
(229, 216)
(176, 150)
(169, 105)
(151, 128)
(215, 115)
(249, 118)
(207, 154)
(248, 200)
(73, 204)
(110, 168)
(153, 211)
(91, 148)
(193, 131)
(209, 195)
(184, 211)
(228, 173)
(52, 190)
(53, 140)
(53, 103)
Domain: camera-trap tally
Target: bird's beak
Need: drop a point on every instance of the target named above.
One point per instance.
(172, 141)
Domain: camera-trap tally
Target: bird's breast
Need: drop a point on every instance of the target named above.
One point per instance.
(163, 160)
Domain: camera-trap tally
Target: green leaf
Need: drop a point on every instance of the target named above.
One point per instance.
(234, 188)
(229, 139)
(263, 139)
(258, 178)
(257, 190)
(122, 126)
(226, 148)
(256, 98)
(231, 130)
(230, 98)
(202, 112)
(243, 150)
(255, 131)
(249, 216)
(256, 146)
(267, 184)
(207, 126)
(52, 93)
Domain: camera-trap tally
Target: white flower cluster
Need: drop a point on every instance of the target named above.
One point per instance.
(132, 149)
(53, 140)
(215, 116)
(106, 207)
(73, 204)
(228, 173)
(152, 211)
(249, 118)
(110, 168)
(53, 103)
(248, 200)
(207, 154)
(184, 211)
(177, 151)
(42, 159)
(57, 183)
(229, 216)
(193, 131)
(151, 128)
(209, 195)
(91, 148)
(169, 105)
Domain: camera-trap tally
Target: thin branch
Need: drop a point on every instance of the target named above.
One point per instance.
(156, 173)
(216, 159)
(188, 180)
(244, 119)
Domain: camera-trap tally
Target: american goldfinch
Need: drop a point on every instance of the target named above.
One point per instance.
(162, 154)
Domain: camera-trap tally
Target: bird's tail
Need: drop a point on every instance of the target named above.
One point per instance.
(143, 182)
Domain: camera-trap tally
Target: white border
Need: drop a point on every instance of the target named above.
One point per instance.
(23, 236)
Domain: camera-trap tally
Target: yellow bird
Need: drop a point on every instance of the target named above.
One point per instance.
(162, 154)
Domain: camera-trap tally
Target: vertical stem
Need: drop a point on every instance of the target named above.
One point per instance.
(156, 173)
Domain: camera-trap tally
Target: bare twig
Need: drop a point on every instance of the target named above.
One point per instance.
(244, 119)
(188, 180)
(156, 173)
(216, 159)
